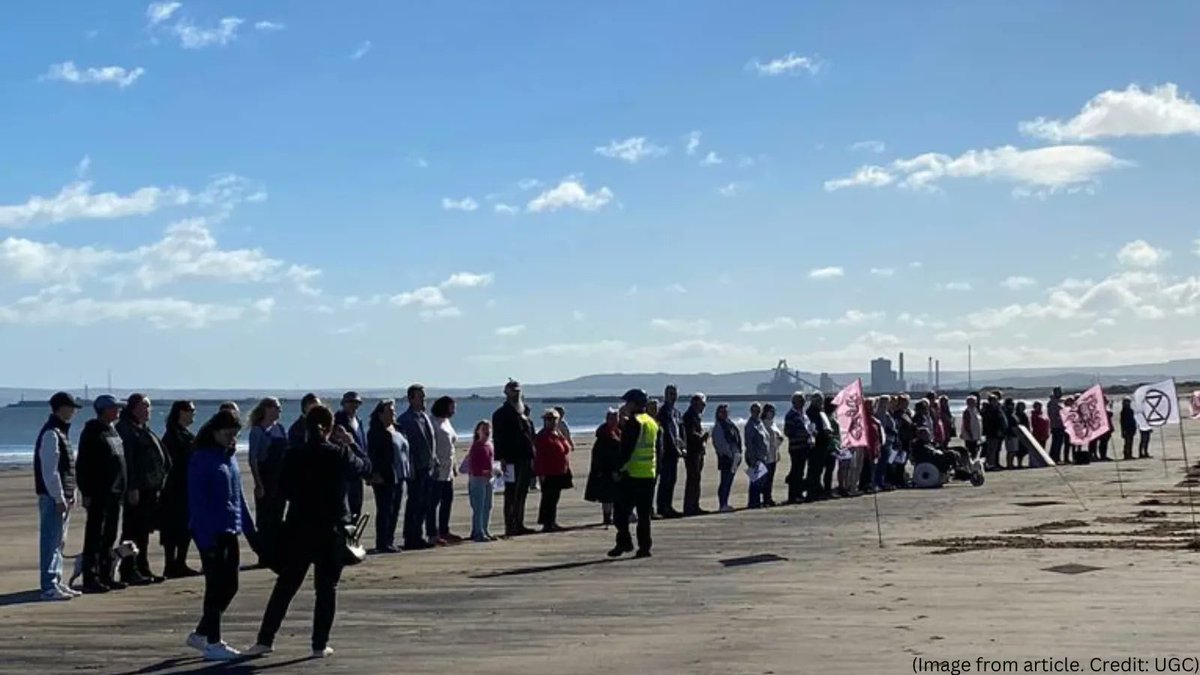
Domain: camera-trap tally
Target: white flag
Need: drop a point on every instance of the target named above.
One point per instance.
(1155, 405)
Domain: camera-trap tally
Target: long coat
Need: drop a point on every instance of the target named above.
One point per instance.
(606, 461)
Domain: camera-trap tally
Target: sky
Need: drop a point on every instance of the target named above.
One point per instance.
(260, 193)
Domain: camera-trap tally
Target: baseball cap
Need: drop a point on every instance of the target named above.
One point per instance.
(351, 396)
(105, 401)
(63, 400)
(636, 396)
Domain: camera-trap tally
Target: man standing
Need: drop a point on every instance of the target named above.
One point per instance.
(347, 418)
(54, 481)
(635, 481)
(418, 429)
(513, 437)
(1058, 430)
(296, 433)
(148, 465)
(796, 428)
(695, 438)
(102, 478)
(672, 449)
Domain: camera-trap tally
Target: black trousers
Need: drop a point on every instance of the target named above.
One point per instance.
(221, 565)
(1144, 443)
(324, 554)
(387, 513)
(552, 489)
(354, 495)
(816, 465)
(1128, 446)
(693, 465)
(415, 509)
(768, 485)
(268, 520)
(1058, 442)
(795, 478)
(828, 465)
(437, 516)
(668, 476)
(636, 494)
(136, 525)
(516, 494)
(866, 479)
(99, 537)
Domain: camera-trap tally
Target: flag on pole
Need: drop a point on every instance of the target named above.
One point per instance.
(1196, 405)
(851, 416)
(1155, 405)
(1087, 420)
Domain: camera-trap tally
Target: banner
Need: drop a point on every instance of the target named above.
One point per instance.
(1155, 405)
(1087, 420)
(1196, 405)
(851, 416)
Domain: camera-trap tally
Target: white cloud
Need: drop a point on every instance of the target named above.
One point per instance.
(826, 273)
(788, 64)
(441, 313)
(1040, 171)
(1140, 254)
(426, 296)
(916, 265)
(464, 204)
(854, 317)
(883, 271)
(1106, 321)
(955, 336)
(350, 329)
(509, 331)
(1086, 332)
(68, 72)
(578, 315)
(745, 162)
(264, 305)
(730, 190)
(816, 323)
(158, 312)
(692, 142)
(268, 26)
(957, 286)
(506, 209)
(361, 50)
(1018, 283)
(570, 193)
(919, 321)
(1161, 111)
(868, 146)
(195, 37)
(682, 326)
(773, 324)
(529, 183)
(158, 12)
(77, 202)
(676, 288)
(468, 280)
(85, 164)
(631, 150)
(711, 159)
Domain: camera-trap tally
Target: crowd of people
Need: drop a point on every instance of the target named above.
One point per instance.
(309, 478)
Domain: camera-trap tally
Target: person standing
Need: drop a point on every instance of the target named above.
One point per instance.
(639, 443)
(972, 426)
(1144, 443)
(356, 435)
(551, 463)
(1128, 427)
(268, 449)
(887, 441)
(727, 442)
(54, 484)
(993, 431)
(1058, 431)
(1039, 424)
(1013, 454)
(757, 452)
(417, 427)
(479, 484)
(388, 451)
(695, 440)
(437, 520)
(296, 431)
(774, 442)
(945, 420)
(316, 482)
(670, 421)
(148, 465)
(513, 432)
(821, 460)
(606, 462)
(798, 430)
(174, 533)
(102, 478)
(217, 516)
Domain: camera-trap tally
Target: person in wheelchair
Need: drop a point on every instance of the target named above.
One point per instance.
(925, 452)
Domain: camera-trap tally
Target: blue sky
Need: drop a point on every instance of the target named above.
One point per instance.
(278, 194)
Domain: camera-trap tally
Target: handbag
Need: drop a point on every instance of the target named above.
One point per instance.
(352, 549)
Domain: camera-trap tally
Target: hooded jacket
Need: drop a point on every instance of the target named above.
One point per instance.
(147, 462)
(100, 467)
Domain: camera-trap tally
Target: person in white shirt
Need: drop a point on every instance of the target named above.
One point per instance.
(444, 438)
(54, 479)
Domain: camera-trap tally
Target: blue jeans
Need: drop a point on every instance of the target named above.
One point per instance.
(479, 490)
(53, 536)
(727, 476)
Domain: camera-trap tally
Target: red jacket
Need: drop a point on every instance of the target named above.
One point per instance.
(550, 454)
(1041, 427)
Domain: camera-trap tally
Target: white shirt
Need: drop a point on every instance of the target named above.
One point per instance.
(444, 438)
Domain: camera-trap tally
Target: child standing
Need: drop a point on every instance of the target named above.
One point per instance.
(479, 487)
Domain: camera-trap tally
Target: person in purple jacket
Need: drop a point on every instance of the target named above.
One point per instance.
(217, 516)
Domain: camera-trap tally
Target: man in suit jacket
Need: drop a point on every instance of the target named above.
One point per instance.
(417, 428)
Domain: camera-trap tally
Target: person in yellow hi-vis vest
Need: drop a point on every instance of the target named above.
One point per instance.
(635, 479)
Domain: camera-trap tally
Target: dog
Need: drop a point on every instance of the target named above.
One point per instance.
(123, 550)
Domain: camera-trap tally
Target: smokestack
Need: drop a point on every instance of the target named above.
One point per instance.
(929, 374)
(937, 375)
(902, 368)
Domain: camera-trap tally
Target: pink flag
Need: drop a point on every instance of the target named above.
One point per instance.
(851, 416)
(1087, 420)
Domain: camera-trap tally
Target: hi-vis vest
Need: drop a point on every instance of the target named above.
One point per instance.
(641, 464)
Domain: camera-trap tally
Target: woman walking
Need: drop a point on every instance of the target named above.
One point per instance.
(268, 448)
(481, 472)
(217, 515)
(174, 535)
(606, 462)
(315, 483)
(551, 463)
(444, 438)
(774, 441)
(388, 451)
(727, 440)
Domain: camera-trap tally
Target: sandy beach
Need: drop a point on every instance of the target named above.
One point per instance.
(964, 573)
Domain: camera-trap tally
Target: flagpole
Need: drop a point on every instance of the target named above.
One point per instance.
(878, 526)
(1120, 483)
(1069, 486)
(1162, 440)
(1187, 481)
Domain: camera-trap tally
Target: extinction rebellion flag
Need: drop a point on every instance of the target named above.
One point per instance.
(1087, 420)
(1155, 405)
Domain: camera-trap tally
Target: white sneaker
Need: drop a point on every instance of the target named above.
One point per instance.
(259, 650)
(220, 652)
(197, 642)
(323, 653)
(56, 595)
(69, 591)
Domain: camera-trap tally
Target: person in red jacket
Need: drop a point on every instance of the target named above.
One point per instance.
(1039, 424)
(551, 463)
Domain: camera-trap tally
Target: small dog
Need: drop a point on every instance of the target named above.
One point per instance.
(123, 550)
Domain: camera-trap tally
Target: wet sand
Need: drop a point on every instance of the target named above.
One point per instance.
(963, 574)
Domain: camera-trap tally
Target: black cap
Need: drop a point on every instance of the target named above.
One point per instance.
(351, 396)
(224, 419)
(636, 397)
(63, 400)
